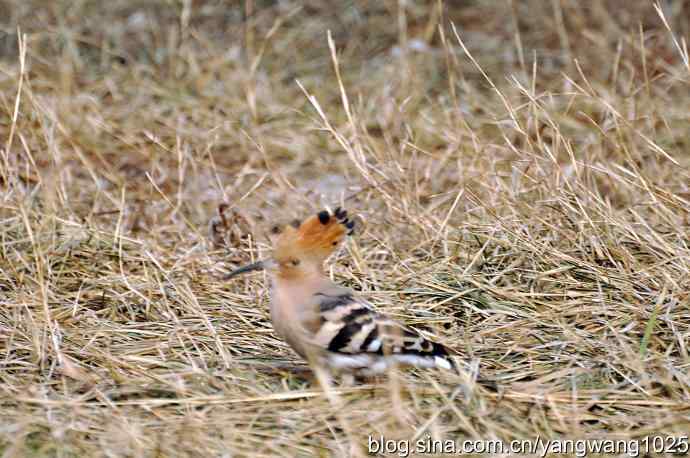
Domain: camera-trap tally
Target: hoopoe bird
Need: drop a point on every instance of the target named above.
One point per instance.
(329, 324)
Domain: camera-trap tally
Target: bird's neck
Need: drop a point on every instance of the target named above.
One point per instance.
(304, 280)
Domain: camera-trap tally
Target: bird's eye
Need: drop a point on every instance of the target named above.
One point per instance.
(295, 262)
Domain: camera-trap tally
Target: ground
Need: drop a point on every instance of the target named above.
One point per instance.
(520, 172)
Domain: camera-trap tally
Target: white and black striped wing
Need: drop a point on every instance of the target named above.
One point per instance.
(357, 337)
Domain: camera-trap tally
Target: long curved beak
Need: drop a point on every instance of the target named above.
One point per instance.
(244, 269)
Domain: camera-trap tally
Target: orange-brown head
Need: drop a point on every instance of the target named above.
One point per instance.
(300, 249)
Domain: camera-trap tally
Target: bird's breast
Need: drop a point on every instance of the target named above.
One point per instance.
(294, 314)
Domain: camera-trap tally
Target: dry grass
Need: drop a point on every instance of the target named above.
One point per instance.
(534, 214)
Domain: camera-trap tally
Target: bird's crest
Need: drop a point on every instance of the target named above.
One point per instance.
(317, 237)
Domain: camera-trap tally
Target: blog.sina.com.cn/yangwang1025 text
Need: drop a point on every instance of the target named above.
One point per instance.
(538, 446)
